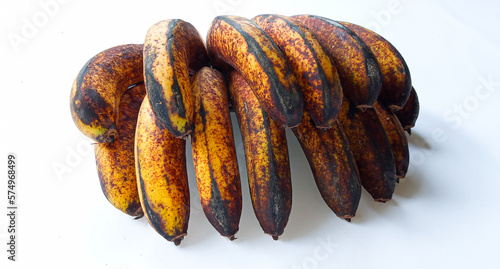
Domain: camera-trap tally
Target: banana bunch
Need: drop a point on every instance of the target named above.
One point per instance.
(344, 91)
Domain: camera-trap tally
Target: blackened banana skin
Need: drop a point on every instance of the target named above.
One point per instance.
(408, 115)
(214, 153)
(173, 49)
(237, 43)
(358, 68)
(98, 87)
(315, 71)
(371, 149)
(266, 154)
(396, 84)
(333, 165)
(160, 163)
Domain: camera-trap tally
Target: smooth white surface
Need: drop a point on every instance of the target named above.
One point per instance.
(444, 215)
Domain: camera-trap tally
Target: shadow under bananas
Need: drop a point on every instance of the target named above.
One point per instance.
(418, 140)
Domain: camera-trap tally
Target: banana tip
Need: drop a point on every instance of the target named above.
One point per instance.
(382, 200)
(275, 237)
(177, 240)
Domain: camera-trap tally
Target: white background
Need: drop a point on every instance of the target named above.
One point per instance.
(444, 215)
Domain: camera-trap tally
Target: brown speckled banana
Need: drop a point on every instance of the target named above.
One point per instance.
(344, 91)
(371, 149)
(315, 71)
(115, 160)
(239, 43)
(160, 162)
(409, 113)
(396, 84)
(333, 165)
(266, 154)
(98, 87)
(214, 153)
(358, 69)
(397, 138)
(173, 50)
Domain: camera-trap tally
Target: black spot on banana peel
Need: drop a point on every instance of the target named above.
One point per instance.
(397, 138)
(240, 43)
(396, 84)
(356, 64)
(115, 160)
(333, 165)
(214, 153)
(96, 91)
(160, 162)
(371, 149)
(314, 69)
(409, 113)
(266, 154)
(173, 49)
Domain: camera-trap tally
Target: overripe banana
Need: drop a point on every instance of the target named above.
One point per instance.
(315, 71)
(160, 162)
(396, 84)
(172, 50)
(333, 165)
(238, 42)
(397, 138)
(371, 149)
(214, 153)
(266, 154)
(115, 160)
(98, 87)
(409, 113)
(344, 91)
(359, 72)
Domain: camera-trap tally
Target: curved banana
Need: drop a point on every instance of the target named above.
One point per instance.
(315, 71)
(395, 72)
(96, 92)
(371, 149)
(160, 162)
(397, 138)
(333, 166)
(358, 69)
(115, 160)
(214, 153)
(172, 50)
(409, 113)
(240, 43)
(266, 154)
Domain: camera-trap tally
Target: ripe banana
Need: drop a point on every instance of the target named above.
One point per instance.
(266, 155)
(240, 43)
(173, 50)
(115, 160)
(315, 71)
(397, 138)
(98, 87)
(359, 72)
(332, 164)
(214, 153)
(160, 163)
(409, 113)
(371, 149)
(396, 84)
